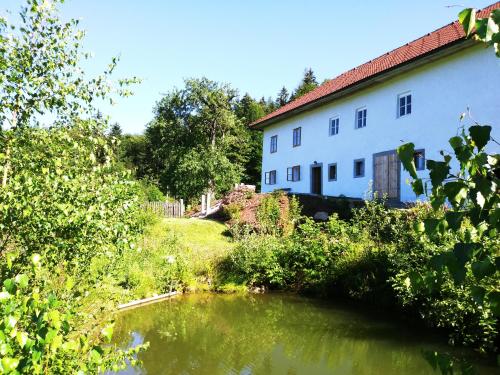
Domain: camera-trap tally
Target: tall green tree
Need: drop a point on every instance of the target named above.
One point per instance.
(249, 110)
(307, 84)
(283, 97)
(192, 139)
(62, 205)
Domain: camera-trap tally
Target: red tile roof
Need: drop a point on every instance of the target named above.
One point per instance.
(420, 47)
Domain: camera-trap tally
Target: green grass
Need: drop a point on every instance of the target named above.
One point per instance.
(203, 237)
(202, 243)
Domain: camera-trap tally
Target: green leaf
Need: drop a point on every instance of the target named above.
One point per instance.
(10, 286)
(418, 186)
(22, 281)
(107, 332)
(467, 18)
(456, 192)
(483, 268)
(480, 135)
(439, 171)
(454, 219)
(405, 153)
(9, 364)
(434, 227)
(478, 293)
(463, 252)
(494, 301)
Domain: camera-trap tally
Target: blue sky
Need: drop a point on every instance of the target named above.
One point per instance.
(255, 45)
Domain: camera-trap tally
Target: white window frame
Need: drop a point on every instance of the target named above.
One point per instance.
(337, 126)
(356, 118)
(293, 173)
(270, 177)
(405, 95)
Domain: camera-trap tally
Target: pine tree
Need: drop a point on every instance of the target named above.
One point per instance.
(116, 130)
(283, 97)
(307, 84)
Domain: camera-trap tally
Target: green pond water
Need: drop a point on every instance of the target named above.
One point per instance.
(274, 334)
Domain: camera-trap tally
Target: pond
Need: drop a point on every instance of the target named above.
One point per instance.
(273, 334)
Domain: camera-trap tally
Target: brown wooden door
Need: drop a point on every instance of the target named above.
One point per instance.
(386, 175)
(316, 180)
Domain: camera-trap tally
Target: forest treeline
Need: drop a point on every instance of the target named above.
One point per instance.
(199, 139)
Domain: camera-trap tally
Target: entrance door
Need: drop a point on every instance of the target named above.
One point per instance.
(316, 180)
(386, 175)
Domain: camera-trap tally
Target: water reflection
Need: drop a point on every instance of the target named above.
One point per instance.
(270, 334)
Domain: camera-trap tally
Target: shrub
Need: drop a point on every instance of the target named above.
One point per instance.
(255, 261)
(277, 214)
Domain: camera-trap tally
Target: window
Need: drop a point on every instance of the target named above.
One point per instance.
(270, 178)
(404, 104)
(334, 125)
(293, 173)
(332, 172)
(419, 160)
(361, 118)
(359, 168)
(274, 144)
(296, 137)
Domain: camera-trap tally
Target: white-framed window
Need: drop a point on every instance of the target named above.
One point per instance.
(334, 125)
(297, 135)
(361, 114)
(332, 172)
(419, 159)
(404, 104)
(274, 144)
(293, 173)
(270, 178)
(359, 168)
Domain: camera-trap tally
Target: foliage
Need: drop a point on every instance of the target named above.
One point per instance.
(283, 97)
(370, 258)
(277, 214)
(63, 202)
(193, 140)
(255, 261)
(485, 29)
(307, 84)
(37, 334)
(149, 191)
(466, 265)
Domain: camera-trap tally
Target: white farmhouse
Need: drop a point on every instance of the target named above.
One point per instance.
(341, 138)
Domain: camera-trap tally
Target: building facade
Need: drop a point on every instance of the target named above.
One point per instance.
(340, 140)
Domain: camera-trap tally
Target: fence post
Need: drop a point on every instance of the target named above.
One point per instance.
(182, 207)
(203, 204)
(209, 196)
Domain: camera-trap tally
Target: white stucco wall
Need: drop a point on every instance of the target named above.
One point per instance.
(440, 90)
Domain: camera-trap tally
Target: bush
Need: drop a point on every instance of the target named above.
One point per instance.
(277, 214)
(149, 191)
(255, 261)
(376, 257)
(154, 269)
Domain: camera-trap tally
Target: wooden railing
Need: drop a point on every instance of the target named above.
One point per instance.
(166, 209)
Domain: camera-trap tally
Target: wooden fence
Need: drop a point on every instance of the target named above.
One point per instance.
(166, 209)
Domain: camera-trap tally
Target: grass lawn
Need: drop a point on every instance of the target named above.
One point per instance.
(201, 241)
(203, 237)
